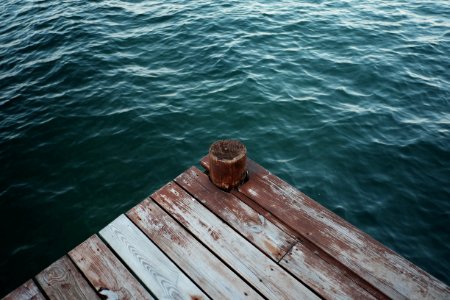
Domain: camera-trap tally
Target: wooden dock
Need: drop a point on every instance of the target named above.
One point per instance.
(264, 240)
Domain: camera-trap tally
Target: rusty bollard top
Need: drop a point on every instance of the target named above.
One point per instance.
(227, 163)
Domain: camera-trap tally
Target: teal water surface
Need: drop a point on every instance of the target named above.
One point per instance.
(103, 102)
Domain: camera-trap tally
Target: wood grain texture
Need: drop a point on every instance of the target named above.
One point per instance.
(258, 269)
(386, 270)
(255, 227)
(62, 280)
(265, 213)
(27, 291)
(163, 278)
(204, 162)
(214, 277)
(330, 281)
(105, 271)
(317, 263)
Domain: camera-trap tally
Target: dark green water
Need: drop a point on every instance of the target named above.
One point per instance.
(102, 102)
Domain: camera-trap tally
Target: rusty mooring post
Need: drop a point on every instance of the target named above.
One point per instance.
(227, 163)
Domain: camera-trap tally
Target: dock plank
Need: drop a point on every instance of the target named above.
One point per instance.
(105, 271)
(386, 270)
(163, 278)
(330, 281)
(255, 227)
(62, 280)
(254, 266)
(27, 291)
(215, 278)
(341, 281)
(265, 213)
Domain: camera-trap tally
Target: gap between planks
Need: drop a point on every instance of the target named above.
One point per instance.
(237, 214)
(254, 227)
(105, 271)
(381, 267)
(148, 262)
(258, 269)
(202, 266)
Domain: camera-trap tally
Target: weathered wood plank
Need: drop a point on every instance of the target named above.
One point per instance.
(62, 280)
(214, 277)
(265, 213)
(386, 270)
(319, 263)
(156, 271)
(258, 269)
(204, 162)
(330, 281)
(27, 291)
(105, 271)
(258, 230)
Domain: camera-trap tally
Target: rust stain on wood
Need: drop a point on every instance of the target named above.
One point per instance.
(274, 250)
(214, 234)
(227, 159)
